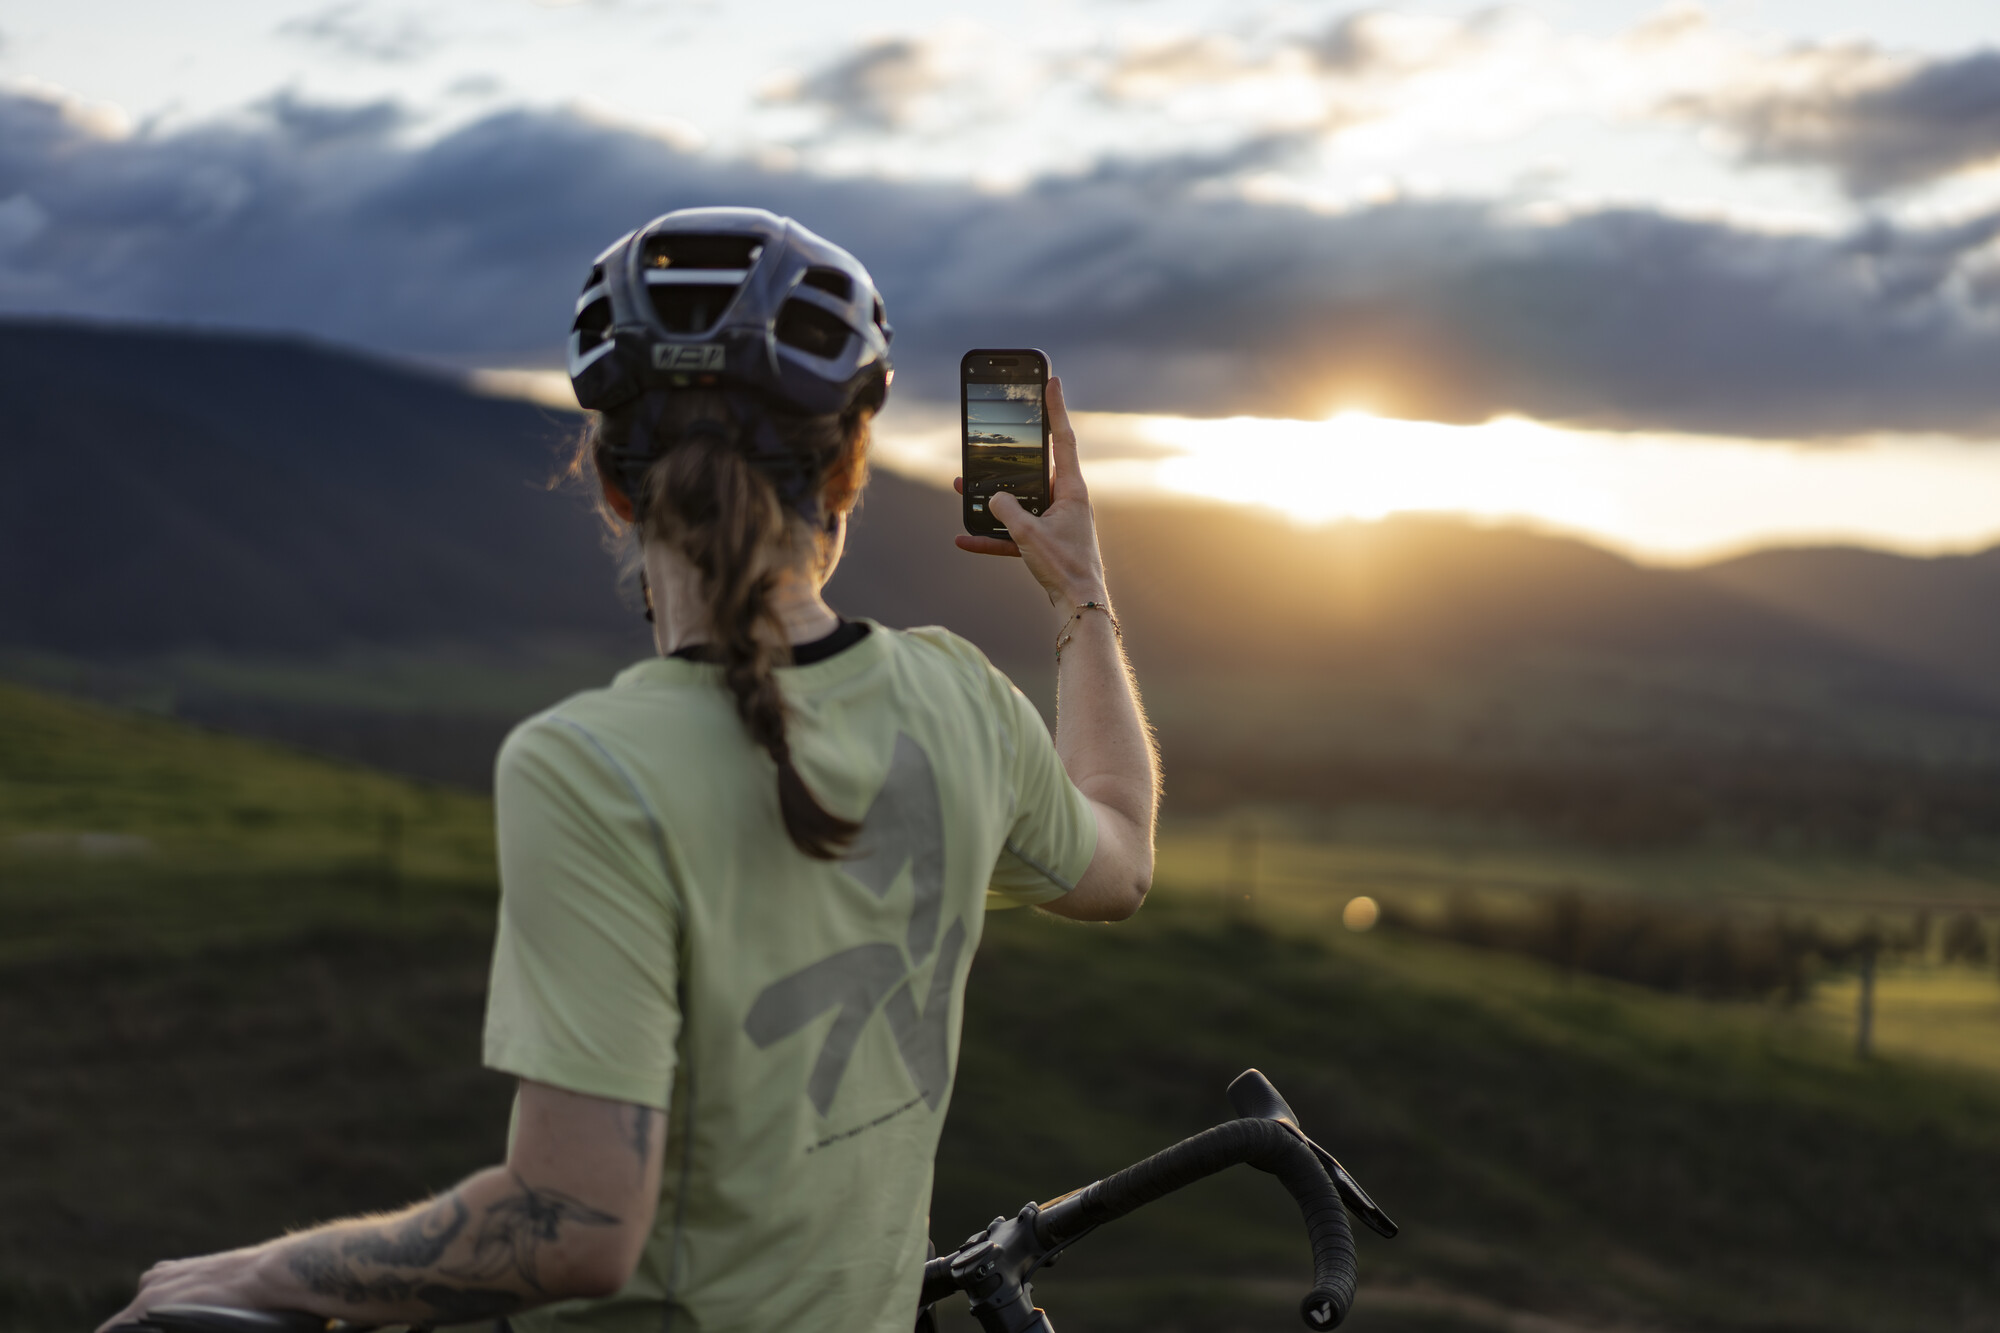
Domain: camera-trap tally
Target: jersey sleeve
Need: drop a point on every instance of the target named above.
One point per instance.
(585, 983)
(1054, 833)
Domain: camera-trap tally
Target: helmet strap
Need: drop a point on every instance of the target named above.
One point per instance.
(640, 448)
(793, 474)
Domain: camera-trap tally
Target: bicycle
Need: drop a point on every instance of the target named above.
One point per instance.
(995, 1267)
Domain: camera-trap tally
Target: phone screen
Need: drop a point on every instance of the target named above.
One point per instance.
(1005, 432)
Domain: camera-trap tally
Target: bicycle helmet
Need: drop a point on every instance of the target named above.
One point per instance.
(732, 298)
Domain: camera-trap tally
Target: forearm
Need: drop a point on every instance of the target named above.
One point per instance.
(504, 1240)
(492, 1246)
(1101, 732)
(1107, 750)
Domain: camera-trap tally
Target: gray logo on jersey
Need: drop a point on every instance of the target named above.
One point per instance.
(904, 826)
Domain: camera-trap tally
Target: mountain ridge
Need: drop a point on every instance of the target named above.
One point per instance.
(283, 538)
(1938, 612)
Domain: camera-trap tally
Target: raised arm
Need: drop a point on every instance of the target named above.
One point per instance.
(1101, 732)
(567, 1216)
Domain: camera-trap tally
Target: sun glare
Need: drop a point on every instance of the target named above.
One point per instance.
(1672, 497)
(1359, 466)
(1660, 497)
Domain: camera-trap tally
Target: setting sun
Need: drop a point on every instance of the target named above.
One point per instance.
(1659, 495)
(1359, 466)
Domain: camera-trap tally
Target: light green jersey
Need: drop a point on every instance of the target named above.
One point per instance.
(663, 943)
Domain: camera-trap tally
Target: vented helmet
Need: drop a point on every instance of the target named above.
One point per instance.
(733, 298)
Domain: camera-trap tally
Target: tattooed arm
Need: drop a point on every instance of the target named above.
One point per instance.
(567, 1216)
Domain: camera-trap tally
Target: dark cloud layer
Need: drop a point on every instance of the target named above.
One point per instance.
(1877, 128)
(1150, 295)
(315, 124)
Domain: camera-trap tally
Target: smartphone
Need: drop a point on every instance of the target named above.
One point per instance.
(1004, 424)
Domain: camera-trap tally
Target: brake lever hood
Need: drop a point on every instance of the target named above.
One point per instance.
(1253, 1096)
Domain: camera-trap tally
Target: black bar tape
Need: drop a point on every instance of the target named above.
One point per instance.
(938, 1281)
(1264, 1144)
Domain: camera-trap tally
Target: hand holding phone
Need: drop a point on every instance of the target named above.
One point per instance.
(1059, 545)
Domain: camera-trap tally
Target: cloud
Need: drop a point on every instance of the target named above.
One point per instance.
(1354, 48)
(476, 85)
(1152, 71)
(316, 124)
(348, 30)
(1438, 76)
(874, 87)
(1880, 123)
(21, 221)
(1373, 43)
(1153, 290)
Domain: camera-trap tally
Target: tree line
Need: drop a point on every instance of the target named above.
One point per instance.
(1691, 950)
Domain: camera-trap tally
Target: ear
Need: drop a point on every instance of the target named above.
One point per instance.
(621, 503)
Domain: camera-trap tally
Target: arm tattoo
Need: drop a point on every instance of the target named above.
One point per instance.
(327, 1274)
(642, 1136)
(417, 1243)
(508, 1239)
(513, 1231)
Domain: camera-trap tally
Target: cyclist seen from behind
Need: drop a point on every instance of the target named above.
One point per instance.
(741, 886)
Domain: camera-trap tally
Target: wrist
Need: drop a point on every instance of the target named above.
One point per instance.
(1065, 598)
(269, 1277)
(1084, 611)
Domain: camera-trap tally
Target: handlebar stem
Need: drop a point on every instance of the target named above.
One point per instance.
(993, 1272)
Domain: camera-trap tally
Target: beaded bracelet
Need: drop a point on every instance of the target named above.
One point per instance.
(1064, 635)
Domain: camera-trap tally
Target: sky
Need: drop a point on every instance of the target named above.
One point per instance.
(1682, 279)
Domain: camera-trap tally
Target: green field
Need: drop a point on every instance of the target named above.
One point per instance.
(240, 990)
(1292, 873)
(1923, 1012)
(122, 831)
(1297, 861)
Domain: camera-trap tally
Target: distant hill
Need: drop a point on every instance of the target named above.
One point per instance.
(300, 542)
(1437, 589)
(174, 491)
(1941, 613)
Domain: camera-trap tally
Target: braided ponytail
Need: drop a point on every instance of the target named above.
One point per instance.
(704, 498)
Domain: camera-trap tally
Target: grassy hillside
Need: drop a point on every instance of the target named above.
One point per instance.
(74, 767)
(1582, 1151)
(256, 1024)
(123, 830)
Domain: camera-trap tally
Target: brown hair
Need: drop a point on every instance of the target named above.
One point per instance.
(703, 497)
